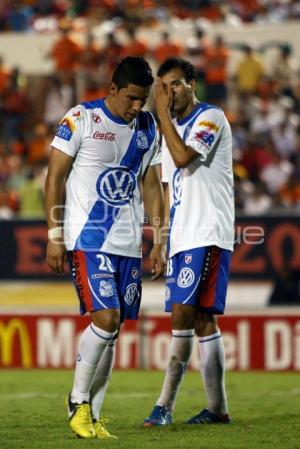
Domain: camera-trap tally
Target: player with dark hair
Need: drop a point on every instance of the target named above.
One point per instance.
(197, 165)
(102, 153)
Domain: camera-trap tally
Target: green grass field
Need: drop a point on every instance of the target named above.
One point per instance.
(265, 409)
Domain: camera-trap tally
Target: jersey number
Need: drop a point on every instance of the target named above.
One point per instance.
(105, 263)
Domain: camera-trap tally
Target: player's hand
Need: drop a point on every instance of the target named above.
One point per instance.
(163, 97)
(56, 255)
(158, 262)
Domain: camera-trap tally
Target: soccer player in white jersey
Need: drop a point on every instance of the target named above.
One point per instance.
(197, 165)
(102, 154)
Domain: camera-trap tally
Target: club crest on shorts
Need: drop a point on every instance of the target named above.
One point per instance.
(134, 273)
(188, 258)
(131, 294)
(106, 289)
(185, 278)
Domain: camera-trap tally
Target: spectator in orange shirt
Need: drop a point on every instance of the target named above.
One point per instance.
(66, 53)
(4, 76)
(166, 49)
(216, 72)
(289, 195)
(90, 56)
(134, 47)
(111, 52)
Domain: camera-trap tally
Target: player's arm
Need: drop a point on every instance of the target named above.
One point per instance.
(153, 201)
(166, 224)
(181, 153)
(59, 168)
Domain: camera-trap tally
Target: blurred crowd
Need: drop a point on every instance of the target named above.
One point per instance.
(263, 106)
(25, 15)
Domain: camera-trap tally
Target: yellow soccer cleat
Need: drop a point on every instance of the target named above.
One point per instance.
(101, 432)
(80, 419)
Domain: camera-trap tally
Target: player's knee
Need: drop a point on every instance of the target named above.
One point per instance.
(205, 324)
(108, 320)
(183, 317)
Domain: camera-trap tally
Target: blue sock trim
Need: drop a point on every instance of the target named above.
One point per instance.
(210, 339)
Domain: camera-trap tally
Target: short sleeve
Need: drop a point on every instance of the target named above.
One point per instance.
(156, 157)
(205, 132)
(69, 131)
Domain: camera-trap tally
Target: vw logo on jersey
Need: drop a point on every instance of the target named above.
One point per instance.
(177, 187)
(115, 186)
(186, 277)
(142, 140)
(131, 294)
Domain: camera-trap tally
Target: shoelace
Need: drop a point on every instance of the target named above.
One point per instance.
(100, 423)
(84, 415)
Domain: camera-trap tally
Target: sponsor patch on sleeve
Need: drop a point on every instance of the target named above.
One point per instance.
(205, 137)
(209, 124)
(65, 129)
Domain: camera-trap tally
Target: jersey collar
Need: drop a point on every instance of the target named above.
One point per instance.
(112, 117)
(190, 115)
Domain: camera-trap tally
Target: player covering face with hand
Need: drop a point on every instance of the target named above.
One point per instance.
(197, 167)
(102, 153)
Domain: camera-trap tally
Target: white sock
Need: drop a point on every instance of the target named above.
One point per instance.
(181, 348)
(212, 369)
(91, 346)
(101, 379)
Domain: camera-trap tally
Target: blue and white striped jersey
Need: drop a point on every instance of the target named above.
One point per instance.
(104, 208)
(201, 194)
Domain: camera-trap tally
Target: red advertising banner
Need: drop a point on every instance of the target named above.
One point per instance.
(262, 247)
(260, 342)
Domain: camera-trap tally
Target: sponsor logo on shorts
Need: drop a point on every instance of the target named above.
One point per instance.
(106, 289)
(79, 357)
(131, 294)
(168, 294)
(142, 140)
(170, 280)
(104, 136)
(186, 277)
(96, 118)
(188, 258)
(101, 275)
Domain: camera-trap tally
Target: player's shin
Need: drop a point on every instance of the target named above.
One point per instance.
(101, 379)
(91, 347)
(212, 369)
(181, 348)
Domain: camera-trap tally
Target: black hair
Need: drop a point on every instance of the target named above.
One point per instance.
(186, 67)
(132, 70)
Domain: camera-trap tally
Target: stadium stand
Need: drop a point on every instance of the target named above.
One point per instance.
(262, 103)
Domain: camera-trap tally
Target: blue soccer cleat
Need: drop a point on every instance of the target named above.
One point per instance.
(207, 417)
(160, 416)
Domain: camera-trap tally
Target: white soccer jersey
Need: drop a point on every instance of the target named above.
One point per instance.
(201, 194)
(104, 209)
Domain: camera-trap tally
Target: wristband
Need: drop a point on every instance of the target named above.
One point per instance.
(55, 233)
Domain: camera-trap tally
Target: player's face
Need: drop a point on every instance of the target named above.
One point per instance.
(129, 101)
(183, 92)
